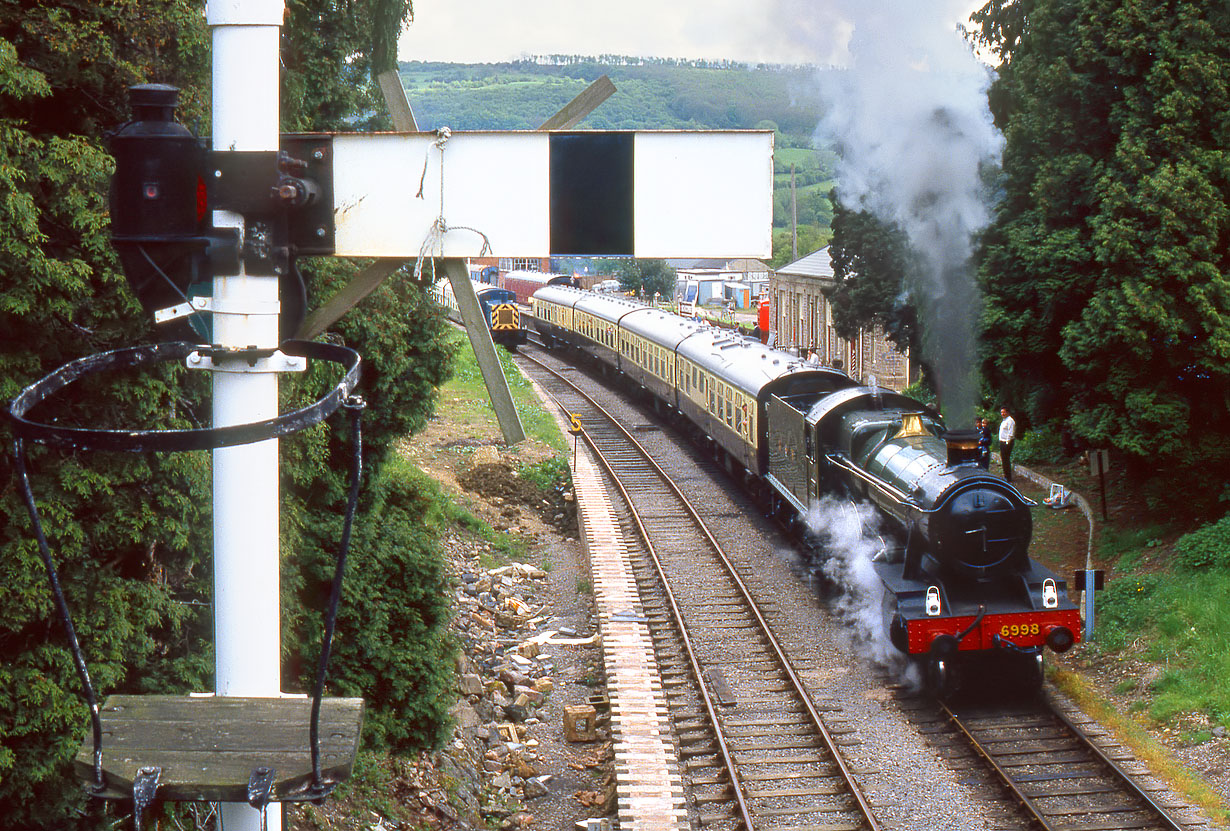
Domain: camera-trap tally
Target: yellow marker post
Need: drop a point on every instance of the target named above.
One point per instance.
(574, 427)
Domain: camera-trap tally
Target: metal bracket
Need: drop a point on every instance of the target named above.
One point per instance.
(260, 787)
(144, 790)
(311, 226)
(245, 360)
(218, 307)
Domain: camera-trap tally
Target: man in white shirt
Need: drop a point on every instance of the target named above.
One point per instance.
(1007, 437)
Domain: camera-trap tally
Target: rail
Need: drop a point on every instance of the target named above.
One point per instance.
(783, 662)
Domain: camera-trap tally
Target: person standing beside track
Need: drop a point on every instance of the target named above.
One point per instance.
(984, 442)
(1007, 437)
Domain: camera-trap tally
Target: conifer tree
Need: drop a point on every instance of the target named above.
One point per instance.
(130, 531)
(1107, 268)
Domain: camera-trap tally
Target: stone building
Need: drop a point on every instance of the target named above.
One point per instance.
(801, 319)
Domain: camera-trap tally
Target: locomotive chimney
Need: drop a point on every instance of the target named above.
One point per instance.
(962, 447)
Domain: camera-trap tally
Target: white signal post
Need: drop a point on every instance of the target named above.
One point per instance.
(245, 35)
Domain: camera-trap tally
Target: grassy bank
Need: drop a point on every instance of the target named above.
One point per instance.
(1167, 606)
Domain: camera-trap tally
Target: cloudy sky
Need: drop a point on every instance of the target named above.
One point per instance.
(773, 31)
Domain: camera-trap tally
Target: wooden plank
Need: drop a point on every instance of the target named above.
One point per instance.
(395, 99)
(718, 686)
(581, 106)
(484, 350)
(207, 747)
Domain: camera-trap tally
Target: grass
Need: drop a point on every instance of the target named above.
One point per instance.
(1180, 621)
(464, 397)
(1127, 546)
(464, 401)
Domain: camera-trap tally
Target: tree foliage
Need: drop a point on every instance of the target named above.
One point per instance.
(1107, 268)
(647, 278)
(129, 532)
(870, 260)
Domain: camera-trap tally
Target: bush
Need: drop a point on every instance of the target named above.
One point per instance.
(1125, 609)
(548, 475)
(921, 391)
(392, 646)
(1206, 547)
(1041, 446)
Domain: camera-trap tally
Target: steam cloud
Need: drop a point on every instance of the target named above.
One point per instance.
(847, 531)
(906, 108)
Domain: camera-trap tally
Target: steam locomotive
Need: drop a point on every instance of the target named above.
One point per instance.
(960, 588)
(499, 306)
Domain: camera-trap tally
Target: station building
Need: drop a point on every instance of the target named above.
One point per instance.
(801, 320)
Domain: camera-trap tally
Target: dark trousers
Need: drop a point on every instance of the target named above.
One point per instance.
(1005, 454)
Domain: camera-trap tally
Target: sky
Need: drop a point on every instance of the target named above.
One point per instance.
(753, 31)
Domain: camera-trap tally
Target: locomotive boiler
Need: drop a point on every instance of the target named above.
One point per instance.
(955, 561)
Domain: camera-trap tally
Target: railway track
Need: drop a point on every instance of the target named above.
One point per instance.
(755, 751)
(1060, 777)
(1051, 771)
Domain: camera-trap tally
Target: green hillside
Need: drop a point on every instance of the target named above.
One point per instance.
(649, 95)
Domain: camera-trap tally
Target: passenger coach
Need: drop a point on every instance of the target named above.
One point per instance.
(719, 381)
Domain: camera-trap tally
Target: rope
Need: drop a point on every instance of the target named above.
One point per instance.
(354, 407)
(439, 229)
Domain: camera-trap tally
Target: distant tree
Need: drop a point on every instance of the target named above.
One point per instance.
(647, 277)
(870, 262)
(811, 238)
(1107, 268)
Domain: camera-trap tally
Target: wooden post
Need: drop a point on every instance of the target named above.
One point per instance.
(484, 348)
(395, 99)
(584, 104)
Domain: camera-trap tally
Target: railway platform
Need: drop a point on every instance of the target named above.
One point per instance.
(648, 783)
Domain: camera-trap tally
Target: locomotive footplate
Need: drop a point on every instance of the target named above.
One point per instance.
(1023, 612)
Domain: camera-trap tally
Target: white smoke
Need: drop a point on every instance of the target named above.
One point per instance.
(848, 533)
(906, 109)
